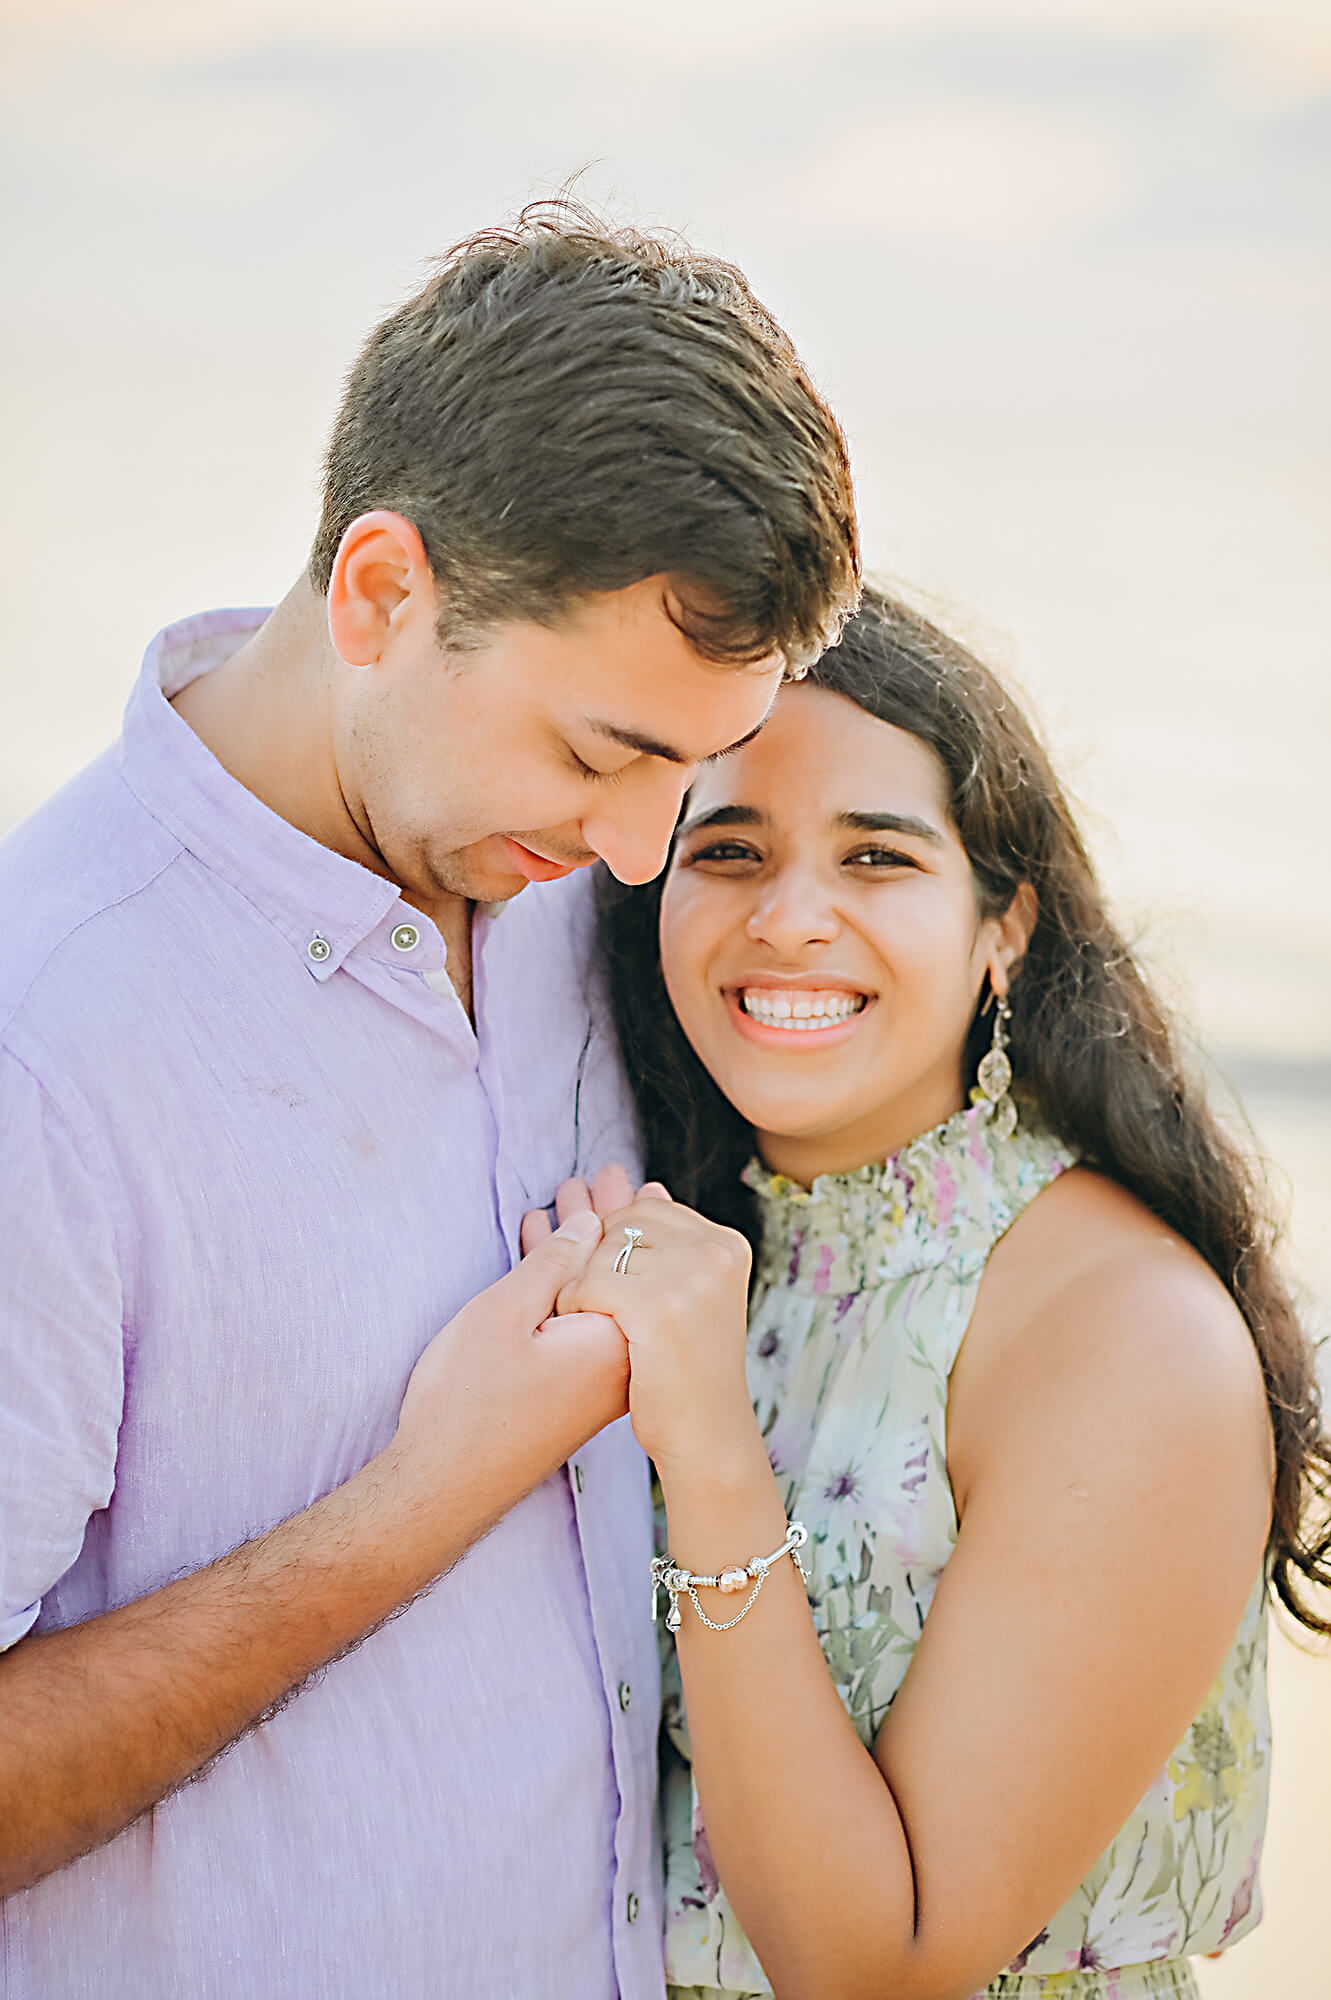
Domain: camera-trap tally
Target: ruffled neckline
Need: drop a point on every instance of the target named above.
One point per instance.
(954, 1188)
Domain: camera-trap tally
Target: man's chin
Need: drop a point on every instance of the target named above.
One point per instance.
(480, 885)
(496, 870)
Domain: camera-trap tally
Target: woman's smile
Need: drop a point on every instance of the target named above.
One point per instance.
(772, 1013)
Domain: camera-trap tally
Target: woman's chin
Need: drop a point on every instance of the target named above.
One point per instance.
(789, 1101)
(792, 1123)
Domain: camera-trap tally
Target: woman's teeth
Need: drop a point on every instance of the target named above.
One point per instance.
(799, 1011)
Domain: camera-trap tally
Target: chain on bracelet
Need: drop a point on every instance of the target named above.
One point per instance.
(668, 1576)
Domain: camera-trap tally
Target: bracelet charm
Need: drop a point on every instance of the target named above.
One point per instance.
(667, 1575)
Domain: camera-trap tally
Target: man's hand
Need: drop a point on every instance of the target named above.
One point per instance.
(104, 1719)
(508, 1391)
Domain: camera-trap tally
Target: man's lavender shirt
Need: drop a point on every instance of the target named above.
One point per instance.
(253, 1158)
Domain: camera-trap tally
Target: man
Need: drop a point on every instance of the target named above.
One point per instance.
(277, 1082)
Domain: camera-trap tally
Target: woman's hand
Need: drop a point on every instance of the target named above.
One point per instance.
(682, 1305)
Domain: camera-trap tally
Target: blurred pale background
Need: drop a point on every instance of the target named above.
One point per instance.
(1061, 266)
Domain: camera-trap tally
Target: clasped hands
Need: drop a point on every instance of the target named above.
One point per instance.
(681, 1308)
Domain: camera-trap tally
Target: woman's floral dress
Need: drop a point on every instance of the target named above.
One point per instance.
(866, 1285)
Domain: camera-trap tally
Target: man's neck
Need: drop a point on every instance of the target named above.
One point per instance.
(266, 716)
(455, 927)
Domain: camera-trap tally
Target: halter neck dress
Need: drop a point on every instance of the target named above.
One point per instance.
(866, 1284)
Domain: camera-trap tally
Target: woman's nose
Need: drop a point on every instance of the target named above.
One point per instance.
(794, 910)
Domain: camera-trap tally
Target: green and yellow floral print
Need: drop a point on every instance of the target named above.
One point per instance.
(866, 1285)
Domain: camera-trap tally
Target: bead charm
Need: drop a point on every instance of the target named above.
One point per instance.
(668, 1576)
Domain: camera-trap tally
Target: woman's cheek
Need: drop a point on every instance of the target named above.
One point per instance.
(693, 924)
(923, 939)
(929, 966)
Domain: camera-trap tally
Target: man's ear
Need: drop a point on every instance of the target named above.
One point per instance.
(1013, 934)
(381, 584)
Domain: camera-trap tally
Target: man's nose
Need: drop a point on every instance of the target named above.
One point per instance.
(633, 838)
(793, 910)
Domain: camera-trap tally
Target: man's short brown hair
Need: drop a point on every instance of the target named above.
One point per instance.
(568, 407)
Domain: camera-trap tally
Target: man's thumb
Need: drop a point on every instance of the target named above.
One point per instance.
(557, 1261)
(582, 1228)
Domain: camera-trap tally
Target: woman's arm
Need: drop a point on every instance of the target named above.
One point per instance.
(1111, 1462)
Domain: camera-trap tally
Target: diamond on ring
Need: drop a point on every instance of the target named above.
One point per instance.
(632, 1238)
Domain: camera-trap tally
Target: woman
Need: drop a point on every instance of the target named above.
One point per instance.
(1017, 1362)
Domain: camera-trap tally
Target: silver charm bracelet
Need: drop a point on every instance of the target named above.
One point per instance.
(668, 1576)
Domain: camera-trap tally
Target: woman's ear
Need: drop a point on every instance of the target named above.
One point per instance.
(1012, 934)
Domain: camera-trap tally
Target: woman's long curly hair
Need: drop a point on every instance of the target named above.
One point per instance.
(1091, 1047)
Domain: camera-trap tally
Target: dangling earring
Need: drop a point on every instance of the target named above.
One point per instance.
(994, 1075)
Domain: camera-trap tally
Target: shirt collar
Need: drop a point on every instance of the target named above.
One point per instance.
(323, 903)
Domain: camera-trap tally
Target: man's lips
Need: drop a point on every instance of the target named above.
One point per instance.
(536, 867)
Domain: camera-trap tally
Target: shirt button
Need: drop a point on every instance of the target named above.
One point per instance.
(631, 1908)
(578, 1477)
(319, 948)
(625, 1694)
(406, 937)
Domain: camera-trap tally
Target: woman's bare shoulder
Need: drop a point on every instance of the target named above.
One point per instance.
(1115, 1316)
(1088, 1242)
(1084, 1217)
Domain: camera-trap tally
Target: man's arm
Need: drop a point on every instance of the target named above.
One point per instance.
(102, 1720)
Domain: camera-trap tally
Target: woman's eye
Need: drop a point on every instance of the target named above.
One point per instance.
(880, 857)
(722, 850)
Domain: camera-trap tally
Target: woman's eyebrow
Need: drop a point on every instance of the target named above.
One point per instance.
(881, 822)
(723, 816)
(850, 822)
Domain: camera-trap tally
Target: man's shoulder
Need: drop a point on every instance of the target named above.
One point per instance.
(87, 850)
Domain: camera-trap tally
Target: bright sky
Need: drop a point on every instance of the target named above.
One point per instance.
(1278, 31)
(1278, 50)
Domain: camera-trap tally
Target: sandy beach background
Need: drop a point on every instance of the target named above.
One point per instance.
(1062, 269)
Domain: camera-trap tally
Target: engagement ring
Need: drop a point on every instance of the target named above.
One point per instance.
(632, 1238)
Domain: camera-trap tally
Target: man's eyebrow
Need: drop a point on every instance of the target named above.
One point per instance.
(649, 746)
(646, 746)
(880, 822)
(723, 816)
(731, 748)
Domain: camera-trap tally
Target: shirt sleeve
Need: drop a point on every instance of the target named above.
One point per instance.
(61, 1350)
